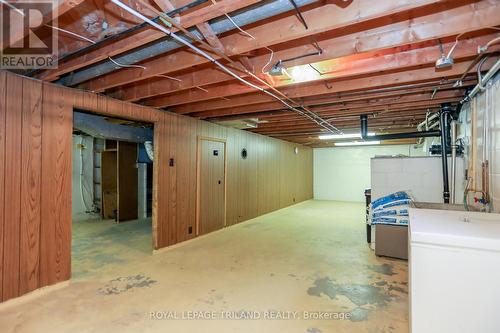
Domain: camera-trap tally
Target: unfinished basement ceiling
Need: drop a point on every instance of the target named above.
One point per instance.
(337, 59)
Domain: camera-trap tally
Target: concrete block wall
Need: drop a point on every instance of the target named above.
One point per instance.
(421, 176)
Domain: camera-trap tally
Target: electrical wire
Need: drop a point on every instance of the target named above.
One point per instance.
(238, 27)
(71, 33)
(125, 65)
(14, 8)
(252, 37)
(169, 77)
(455, 45)
(202, 89)
(285, 100)
(111, 59)
(479, 75)
(87, 40)
(93, 42)
(269, 62)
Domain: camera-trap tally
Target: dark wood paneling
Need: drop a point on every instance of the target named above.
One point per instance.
(3, 89)
(109, 183)
(35, 174)
(212, 184)
(160, 175)
(13, 142)
(127, 181)
(172, 181)
(30, 186)
(55, 232)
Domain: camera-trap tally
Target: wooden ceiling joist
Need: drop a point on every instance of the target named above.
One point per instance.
(377, 60)
(332, 87)
(343, 69)
(379, 104)
(143, 37)
(60, 7)
(336, 97)
(371, 62)
(322, 20)
(335, 48)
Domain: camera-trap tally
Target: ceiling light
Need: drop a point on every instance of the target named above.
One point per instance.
(303, 73)
(342, 136)
(444, 62)
(357, 143)
(277, 69)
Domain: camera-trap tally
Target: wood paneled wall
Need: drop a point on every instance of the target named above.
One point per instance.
(35, 176)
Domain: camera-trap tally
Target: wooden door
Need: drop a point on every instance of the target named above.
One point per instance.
(127, 181)
(211, 186)
(109, 184)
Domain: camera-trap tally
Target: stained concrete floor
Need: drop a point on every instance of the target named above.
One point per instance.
(100, 247)
(307, 260)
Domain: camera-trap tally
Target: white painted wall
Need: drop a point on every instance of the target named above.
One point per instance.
(343, 173)
(421, 176)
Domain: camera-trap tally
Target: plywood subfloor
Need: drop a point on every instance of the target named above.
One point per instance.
(309, 257)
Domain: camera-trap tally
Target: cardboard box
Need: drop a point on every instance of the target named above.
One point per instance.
(391, 241)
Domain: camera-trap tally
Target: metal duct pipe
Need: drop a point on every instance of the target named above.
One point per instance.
(246, 16)
(393, 136)
(493, 70)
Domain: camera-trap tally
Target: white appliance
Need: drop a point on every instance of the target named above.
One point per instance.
(454, 272)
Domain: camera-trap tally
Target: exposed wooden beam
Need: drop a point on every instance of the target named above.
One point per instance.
(385, 122)
(335, 48)
(322, 20)
(387, 62)
(376, 104)
(59, 8)
(143, 37)
(342, 69)
(248, 100)
(338, 116)
(165, 5)
(331, 87)
(247, 63)
(210, 36)
(395, 95)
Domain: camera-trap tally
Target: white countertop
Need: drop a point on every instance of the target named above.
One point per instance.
(449, 228)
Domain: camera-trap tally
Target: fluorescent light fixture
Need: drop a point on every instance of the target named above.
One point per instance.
(357, 143)
(342, 136)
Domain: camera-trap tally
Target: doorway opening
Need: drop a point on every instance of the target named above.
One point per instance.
(112, 199)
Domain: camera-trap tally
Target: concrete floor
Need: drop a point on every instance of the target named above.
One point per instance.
(309, 259)
(100, 247)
